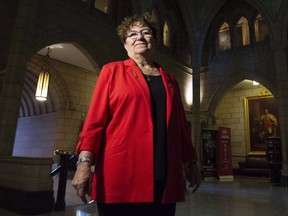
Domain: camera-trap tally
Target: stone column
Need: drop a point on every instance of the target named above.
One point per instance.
(196, 126)
(280, 58)
(10, 95)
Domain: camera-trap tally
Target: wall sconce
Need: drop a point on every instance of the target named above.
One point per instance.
(43, 82)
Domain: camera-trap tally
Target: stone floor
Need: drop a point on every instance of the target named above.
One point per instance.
(242, 197)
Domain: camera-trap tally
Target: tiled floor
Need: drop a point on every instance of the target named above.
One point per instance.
(243, 197)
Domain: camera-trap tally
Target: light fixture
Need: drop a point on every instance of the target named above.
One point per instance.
(43, 81)
(255, 82)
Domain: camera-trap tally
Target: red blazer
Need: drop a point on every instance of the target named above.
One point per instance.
(119, 130)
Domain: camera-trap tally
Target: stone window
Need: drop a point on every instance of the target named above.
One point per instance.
(102, 5)
(166, 35)
(261, 29)
(242, 32)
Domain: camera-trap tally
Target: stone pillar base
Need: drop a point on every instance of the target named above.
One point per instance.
(284, 178)
(26, 185)
(26, 202)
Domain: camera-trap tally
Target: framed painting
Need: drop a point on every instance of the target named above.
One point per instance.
(261, 120)
(224, 40)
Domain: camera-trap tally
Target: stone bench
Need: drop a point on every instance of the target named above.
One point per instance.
(254, 165)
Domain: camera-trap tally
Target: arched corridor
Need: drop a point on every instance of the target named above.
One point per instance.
(215, 49)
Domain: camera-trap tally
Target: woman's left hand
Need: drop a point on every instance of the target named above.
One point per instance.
(193, 175)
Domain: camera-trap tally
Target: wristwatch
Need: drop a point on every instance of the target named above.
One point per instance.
(82, 160)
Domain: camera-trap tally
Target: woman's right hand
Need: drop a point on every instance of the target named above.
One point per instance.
(82, 181)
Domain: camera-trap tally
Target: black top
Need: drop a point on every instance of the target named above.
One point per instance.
(158, 100)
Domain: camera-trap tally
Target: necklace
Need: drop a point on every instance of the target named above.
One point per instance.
(147, 75)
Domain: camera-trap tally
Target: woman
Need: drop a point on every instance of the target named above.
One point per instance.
(136, 132)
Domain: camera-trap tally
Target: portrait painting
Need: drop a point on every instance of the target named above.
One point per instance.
(224, 40)
(262, 121)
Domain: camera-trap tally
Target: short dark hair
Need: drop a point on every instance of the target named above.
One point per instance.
(128, 22)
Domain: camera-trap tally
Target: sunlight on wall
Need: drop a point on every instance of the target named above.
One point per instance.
(201, 90)
(189, 92)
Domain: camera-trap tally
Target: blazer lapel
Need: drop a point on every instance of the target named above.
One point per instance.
(133, 70)
(169, 84)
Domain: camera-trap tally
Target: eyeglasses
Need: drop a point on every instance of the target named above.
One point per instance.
(143, 33)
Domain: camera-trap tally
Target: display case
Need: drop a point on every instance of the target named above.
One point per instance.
(274, 157)
(209, 143)
(224, 155)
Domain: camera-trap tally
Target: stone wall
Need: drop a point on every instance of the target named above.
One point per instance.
(35, 136)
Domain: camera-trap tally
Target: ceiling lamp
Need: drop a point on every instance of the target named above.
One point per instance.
(255, 82)
(43, 81)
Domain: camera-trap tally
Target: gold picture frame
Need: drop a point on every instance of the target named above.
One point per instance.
(259, 110)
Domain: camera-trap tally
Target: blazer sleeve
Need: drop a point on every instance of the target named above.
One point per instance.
(97, 115)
